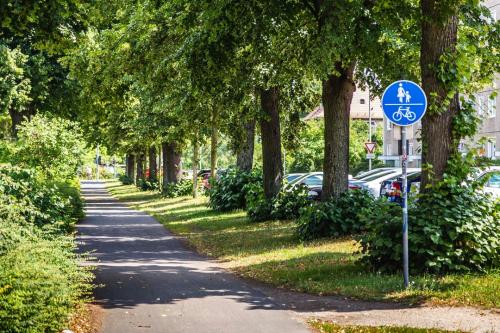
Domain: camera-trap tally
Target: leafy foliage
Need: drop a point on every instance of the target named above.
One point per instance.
(457, 232)
(340, 216)
(229, 191)
(258, 207)
(41, 279)
(289, 203)
(126, 180)
(148, 184)
(179, 189)
(53, 146)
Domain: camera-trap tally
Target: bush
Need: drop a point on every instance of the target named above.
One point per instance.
(229, 191)
(454, 228)
(148, 185)
(53, 146)
(340, 216)
(179, 189)
(258, 207)
(41, 279)
(288, 204)
(125, 180)
(52, 206)
(41, 282)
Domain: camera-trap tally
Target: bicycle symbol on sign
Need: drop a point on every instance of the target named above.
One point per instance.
(398, 115)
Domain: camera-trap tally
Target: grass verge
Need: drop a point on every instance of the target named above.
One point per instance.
(269, 252)
(328, 327)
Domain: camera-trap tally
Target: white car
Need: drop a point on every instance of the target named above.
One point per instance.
(372, 183)
(492, 185)
(372, 172)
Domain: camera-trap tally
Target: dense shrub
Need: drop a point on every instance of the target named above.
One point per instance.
(179, 189)
(451, 229)
(148, 184)
(53, 146)
(229, 191)
(340, 216)
(126, 180)
(41, 280)
(288, 204)
(53, 206)
(258, 207)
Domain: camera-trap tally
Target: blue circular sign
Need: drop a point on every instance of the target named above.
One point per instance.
(404, 103)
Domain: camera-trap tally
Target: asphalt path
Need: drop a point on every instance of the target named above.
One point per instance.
(150, 282)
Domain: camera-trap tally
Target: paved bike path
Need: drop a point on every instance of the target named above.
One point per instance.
(152, 283)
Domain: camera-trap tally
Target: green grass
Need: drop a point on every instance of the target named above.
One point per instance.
(328, 327)
(269, 252)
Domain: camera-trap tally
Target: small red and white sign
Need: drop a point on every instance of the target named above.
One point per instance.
(370, 147)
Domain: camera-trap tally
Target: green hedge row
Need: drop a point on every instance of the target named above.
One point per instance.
(41, 281)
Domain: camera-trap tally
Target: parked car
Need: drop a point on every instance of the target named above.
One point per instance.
(392, 188)
(492, 184)
(372, 172)
(308, 179)
(372, 183)
(315, 192)
(292, 176)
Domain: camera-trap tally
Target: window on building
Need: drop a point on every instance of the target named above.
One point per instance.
(362, 101)
(479, 105)
(388, 149)
(490, 149)
(492, 107)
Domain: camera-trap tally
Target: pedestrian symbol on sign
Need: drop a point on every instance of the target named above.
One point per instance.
(404, 103)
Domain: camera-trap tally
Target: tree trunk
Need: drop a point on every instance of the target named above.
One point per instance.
(17, 118)
(164, 152)
(272, 163)
(152, 164)
(140, 167)
(214, 143)
(160, 164)
(337, 95)
(244, 160)
(196, 161)
(171, 163)
(438, 144)
(130, 166)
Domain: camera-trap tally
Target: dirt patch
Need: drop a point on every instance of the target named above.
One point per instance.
(87, 319)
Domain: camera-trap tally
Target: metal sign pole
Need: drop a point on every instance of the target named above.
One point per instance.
(369, 127)
(404, 195)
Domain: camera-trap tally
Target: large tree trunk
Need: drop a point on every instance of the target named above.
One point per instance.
(140, 167)
(337, 95)
(152, 164)
(272, 163)
(172, 167)
(214, 143)
(130, 166)
(438, 37)
(196, 161)
(244, 159)
(160, 164)
(17, 118)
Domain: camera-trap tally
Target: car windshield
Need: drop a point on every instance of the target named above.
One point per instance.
(365, 174)
(313, 180)
(494, 179)
(291, 178)
(378, 175)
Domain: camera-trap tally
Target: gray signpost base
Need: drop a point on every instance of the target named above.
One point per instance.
(404, 194)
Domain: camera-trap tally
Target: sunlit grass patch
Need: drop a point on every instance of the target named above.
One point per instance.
(329, 327)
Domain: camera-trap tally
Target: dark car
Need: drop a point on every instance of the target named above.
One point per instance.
(392, 188)
(316, 191)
